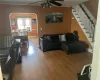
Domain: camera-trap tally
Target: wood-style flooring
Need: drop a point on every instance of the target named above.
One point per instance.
(52, 65)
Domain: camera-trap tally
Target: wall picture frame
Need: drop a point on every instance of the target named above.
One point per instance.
(54, 17)
(34, 21)
(13, 22)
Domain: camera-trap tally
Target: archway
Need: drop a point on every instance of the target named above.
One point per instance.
(15, 17)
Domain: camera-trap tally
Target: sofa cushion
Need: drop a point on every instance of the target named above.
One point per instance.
(62, 37)
(54, 38)
(76, 47)
(47, 38)
(70, 37)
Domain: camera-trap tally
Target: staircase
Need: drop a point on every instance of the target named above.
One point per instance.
(86, 21)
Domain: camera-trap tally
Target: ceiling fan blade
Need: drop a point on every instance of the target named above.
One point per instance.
(35, 2)
(55, 3)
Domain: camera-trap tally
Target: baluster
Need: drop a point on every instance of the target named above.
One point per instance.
(81, 15)
(75, 8)
(92, 31)
(90, 28)
(88, 25)
(78, 9)
(83, 18)
(91, 34)
(85, 23)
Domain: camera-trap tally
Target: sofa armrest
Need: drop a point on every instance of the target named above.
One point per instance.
(43, 44)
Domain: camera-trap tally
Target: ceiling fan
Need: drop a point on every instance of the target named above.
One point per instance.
(48, 3)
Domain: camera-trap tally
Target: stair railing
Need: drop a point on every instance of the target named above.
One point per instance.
(85, 20)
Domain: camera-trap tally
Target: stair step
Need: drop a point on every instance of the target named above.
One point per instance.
(76, 14)
(90, 39)
(88, 35)
(82, 24)
(87, 32)
(78, 17)
(74, 11)
(84, 28)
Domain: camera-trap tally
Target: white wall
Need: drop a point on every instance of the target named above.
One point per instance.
(0, 74)
(96, 55)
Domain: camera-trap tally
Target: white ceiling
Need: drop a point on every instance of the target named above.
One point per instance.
(27, 2)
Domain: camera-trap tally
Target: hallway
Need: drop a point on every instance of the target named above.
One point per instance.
(52, 65)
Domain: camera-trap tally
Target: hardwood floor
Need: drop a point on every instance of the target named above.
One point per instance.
(52, 65)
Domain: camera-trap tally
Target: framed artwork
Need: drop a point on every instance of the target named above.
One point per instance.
(34, 21)
(54, 17)
(13, 22)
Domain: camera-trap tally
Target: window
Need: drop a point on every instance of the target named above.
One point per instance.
(20, 23)
(27, 23)
(24, 23)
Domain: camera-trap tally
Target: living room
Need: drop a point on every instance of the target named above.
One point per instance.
(53, 64)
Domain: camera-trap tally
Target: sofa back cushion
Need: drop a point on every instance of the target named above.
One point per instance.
(47, 38)
(62, 37)
(70, 37)
(54, 38)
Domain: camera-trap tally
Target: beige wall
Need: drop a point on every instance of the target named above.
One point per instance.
(63, 27)
(5, 11)
(55, 28)
(92, 5)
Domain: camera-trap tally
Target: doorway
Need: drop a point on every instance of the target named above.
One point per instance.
(20, 21)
